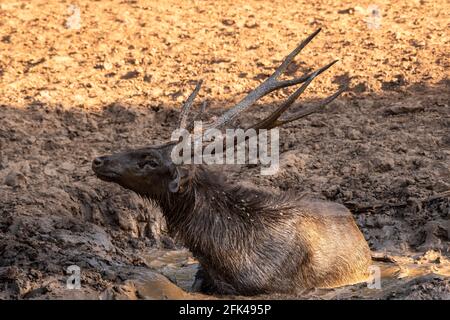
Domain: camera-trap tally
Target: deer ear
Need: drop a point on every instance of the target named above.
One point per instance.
(177, 179)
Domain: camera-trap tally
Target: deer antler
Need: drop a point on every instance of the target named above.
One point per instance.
(273, 120)
(182, 122)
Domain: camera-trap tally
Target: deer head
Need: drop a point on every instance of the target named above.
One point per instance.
(150, 171)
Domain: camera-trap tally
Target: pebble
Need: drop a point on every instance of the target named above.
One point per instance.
(15, 179)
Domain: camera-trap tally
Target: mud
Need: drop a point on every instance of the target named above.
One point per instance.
(68, 95)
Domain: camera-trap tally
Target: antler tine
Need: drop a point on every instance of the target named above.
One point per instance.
(293, 54)
(182, 123)
(202, 110)
(198, 116)
(266, 87)
(271, 120)
(306, 112)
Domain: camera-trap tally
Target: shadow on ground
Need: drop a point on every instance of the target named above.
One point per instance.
(385, 156)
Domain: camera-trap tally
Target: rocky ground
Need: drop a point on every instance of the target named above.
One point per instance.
(73, 87)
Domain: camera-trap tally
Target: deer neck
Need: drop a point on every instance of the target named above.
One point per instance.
(207, 212)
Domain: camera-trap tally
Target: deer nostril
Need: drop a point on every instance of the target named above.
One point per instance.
(98, 161)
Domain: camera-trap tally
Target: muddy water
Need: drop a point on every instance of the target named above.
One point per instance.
(177, 265)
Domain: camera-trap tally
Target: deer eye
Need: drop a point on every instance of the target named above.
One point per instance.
(148, 163)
